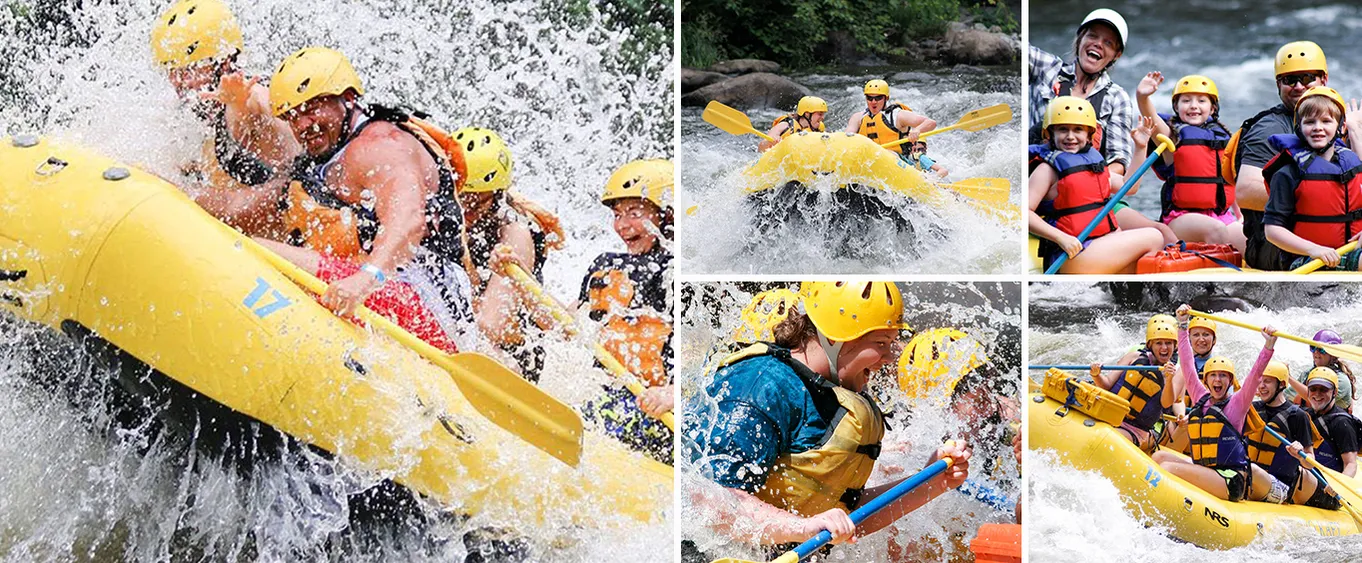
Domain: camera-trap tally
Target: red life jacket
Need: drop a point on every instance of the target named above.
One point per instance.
(1083, 187)
(1194, 181)
(1329, 195)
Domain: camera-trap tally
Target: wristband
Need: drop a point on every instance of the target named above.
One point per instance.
(373, 270)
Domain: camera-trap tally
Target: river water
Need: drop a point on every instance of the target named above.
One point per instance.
(939, 530)
(1233, 42)
(1076, 515)
(76, 484)
(954, 239)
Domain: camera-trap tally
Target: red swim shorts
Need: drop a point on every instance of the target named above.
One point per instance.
(395, 300)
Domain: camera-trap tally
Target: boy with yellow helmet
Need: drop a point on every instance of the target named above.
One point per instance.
(790, 432)
(883, 121)
(1277, 474)
(1149, 392)
(1216, 421)
(808, 116)
(1068, 187)
(1198, 204)
(197, 43)
(1315, 198)
(503, 227)
(372, 207)
(629, 293)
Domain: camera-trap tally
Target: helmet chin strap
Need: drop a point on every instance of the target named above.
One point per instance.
(831, 351)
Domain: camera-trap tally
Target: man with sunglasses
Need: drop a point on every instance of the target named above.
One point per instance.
(1299, 66)
(884, 121)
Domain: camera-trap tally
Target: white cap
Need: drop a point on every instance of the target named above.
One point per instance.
(1111, 18)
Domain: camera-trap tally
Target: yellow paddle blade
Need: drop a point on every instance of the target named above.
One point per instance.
(1345, 351)
(1317, 263)
(730, 120)
(976, 120)
(498, 393)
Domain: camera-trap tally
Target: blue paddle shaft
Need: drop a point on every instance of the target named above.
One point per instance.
(1104, 368)
(1130, 183)
(987, 495)
(874, 505)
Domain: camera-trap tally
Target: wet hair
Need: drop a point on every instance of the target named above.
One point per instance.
(1315, 106)
(794, 331)
(1340, 367)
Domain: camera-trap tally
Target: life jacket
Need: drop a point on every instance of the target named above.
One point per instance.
(484, 235)
(834, 474)
(1328, 453)
(1265, 449)
(1329, 196)
(796, 125)
(1036, 134)
(1214, 441)
(880, 127)
(1194, 181)
(1229, 165)
(235, 160)
(1083, 190)
(1144, 391)
(626, 292)
(315, 218)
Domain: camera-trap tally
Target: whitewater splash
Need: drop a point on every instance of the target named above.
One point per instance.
(553, 80)
(950, 239)
(940, 530)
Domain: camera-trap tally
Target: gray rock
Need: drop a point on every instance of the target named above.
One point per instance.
(750, 91)
(978, 47)
(744, 66)
(692, 79)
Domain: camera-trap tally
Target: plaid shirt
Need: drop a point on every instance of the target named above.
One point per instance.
(1116, 116)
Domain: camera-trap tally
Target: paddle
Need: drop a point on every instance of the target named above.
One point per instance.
(1164, 144)
(1104, 368)
(1317, 263)
(1315, 469)
(1353, 353)
(501, 395)
(977, 120)
(860, 514)
(987, 495)
(603, 356)
(732, 121)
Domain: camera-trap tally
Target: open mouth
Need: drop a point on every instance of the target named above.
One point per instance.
(1094, 55)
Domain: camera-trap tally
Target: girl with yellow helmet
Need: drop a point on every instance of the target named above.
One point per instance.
(503, 227)
(808, 116)
(1198, 203)
(1314, 187)
(1149, 392)
(629, 293)
(197, 43)
(1216, 427)
(791, 434)
(1068, 187)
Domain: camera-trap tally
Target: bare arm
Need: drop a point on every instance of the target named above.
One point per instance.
(774, 134)
(500, 301)
(905, 120)
(251, 121)
(854, 122)
(391, 168)
(253, 209)
(740, 515)
(952, 477)
(1349, 463)
(1249, 188)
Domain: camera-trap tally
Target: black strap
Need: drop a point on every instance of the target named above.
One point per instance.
(1354, 215)
(851, 497)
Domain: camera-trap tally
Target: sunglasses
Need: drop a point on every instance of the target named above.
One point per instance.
(1304, 79)
(875, 98)
(1320, 350)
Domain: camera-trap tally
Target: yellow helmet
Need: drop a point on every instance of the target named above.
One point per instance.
(1301, 56)
(1277, 369)
(1201, 322)
(1322, 373)
(845, 311)
(877, 88)
(1196, 84)
(934, 362)
(1221, 363)
(647, 179)
(194, 31)
(1161, 327)
(1070, 110)
(760, 317)
(1327, 92)
(311, 73)
(489, 161)
(811, 104)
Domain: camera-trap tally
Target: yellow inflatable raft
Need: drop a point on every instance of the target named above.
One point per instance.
(89, 245)
(1161, 499)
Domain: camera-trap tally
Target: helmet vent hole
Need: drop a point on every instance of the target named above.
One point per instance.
(865, 292)
(489, 176)
(172, 19)
(303, 85)
(469, 147)
(191, 48)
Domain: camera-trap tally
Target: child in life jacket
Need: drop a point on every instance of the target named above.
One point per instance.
(629, 293)
(917, 158)
(1314, 200)
(1198, 204)
(1070, 184)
